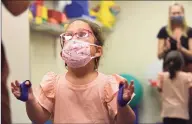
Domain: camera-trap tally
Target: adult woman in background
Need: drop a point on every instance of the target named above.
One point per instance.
(177, 35)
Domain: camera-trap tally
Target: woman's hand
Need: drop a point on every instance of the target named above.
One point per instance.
(167, 45)
(177, 34)
(17, 90)
(163, 46)
(179, 46)
(128, 89)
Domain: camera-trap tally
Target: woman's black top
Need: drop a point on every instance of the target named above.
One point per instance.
(163, 34)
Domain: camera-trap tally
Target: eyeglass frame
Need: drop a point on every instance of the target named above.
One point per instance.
(73, 34)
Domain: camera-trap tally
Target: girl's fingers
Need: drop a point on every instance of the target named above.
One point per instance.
(132, 87)
(131, 83)
(27, 83)
(13, 85)
(17, 83)
(126, 85)
(17, 94)
(17, 88)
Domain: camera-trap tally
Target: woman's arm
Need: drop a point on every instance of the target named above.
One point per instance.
(125, 115)
(163, 47)
(187, 52)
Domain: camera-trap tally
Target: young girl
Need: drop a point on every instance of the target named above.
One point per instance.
(82, 95)
(175, 86)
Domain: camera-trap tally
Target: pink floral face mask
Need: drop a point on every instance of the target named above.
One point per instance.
(77, 53)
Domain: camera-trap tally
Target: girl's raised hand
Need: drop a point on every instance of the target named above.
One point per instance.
(126, 90)
(22, 91)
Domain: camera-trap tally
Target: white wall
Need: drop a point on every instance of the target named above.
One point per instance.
(44, 56)
(15, 35)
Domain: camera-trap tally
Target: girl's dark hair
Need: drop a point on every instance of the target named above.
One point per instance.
(97, 31)
(174, 61)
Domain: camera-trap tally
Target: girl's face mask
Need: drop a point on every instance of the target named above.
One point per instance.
(77, 53)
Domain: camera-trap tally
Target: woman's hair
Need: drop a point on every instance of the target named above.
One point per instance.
(97, 32)
(169, 27)
(174, 61)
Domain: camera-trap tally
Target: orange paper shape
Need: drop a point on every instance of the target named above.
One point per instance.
(52, 20)
(39, 11)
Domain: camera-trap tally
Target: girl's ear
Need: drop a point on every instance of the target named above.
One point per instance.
(99, 51)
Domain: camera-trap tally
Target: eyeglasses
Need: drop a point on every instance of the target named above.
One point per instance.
(69, 35)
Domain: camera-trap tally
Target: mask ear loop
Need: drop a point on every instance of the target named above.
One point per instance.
(95, 57)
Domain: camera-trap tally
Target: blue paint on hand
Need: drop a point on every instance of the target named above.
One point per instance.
(24, 91)
(120, 99)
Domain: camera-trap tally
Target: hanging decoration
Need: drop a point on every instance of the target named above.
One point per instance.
(106, 13)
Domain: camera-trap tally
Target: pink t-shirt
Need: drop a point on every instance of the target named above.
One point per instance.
(89, 103)
(175, 94)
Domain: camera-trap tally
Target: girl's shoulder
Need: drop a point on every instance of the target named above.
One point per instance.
(51, 77)
(163, 74)
(186, 75)
(109, 82)
(109, 85)
(49, 81)
(180, 74)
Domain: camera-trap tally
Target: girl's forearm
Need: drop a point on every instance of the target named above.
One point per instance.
(125, 115)
(36, 112)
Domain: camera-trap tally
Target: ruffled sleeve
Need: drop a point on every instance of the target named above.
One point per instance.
(110, 96)
(46, 91)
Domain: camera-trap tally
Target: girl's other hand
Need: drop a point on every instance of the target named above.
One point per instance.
(128, 89)
(23, 93)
